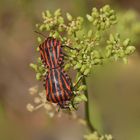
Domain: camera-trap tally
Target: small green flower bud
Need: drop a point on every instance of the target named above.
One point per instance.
(95, 22)
(37, 49)
(121, 53)
(80, 98)
(107, 23)
(102, 25)
(108, 53)
(83, 68)
(67, 66)
(56, 34)
(77, 66)
(109, 47)
(112, 17)
(43, 15)
(61, 20)
(48, 13)
(69, 17)
(57, 12)
(111, 37)
(82, 87)
(42, 27)
(87, 71)
(125, 60)
(130, 50)
(96, 54)
(94, 9)
(39, 40)
(97, 61)
(90, 18)
(111, 12)
(126, 42)
(106, 8)
(38, 76)
(47, 27)
(90, 33)
(34, 66)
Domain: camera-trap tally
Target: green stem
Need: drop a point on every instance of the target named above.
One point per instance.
(87, 111)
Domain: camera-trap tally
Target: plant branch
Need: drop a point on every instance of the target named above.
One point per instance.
(87, 111)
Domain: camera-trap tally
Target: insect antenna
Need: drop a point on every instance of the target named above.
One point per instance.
(40, 33)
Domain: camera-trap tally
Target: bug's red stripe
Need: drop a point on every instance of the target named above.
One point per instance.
(41, 53)
(46, 53)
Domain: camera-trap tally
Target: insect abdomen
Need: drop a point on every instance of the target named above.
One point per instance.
(58, 87)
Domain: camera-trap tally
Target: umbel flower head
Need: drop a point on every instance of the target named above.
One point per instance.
(91, 44)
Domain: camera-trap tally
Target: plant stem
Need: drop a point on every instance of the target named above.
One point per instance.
(87, 111)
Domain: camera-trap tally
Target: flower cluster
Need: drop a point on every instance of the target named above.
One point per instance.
(40, 101)
(96, 136)
(117, 49)
(85, 36)
(52, 110)
(102, 18)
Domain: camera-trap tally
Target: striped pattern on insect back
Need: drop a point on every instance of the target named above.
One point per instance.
(58, 88)
(51, 51)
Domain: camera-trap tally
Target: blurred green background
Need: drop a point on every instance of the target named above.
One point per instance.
(114, 88)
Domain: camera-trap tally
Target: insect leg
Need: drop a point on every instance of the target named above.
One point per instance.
(66, 75)
(40, 33)
(63, 105)
(79, 80)
(69, 47)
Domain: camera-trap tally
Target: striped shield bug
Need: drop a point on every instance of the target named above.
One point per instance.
(57, 83)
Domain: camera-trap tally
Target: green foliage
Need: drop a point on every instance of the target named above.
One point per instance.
(39, 69)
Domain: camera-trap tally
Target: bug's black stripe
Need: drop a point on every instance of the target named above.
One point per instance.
(66, 95)
(54, 88)
(54, 43)
(57, 49)
(57, 75)
(64, 85)
(51, 52)
(47, 54)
